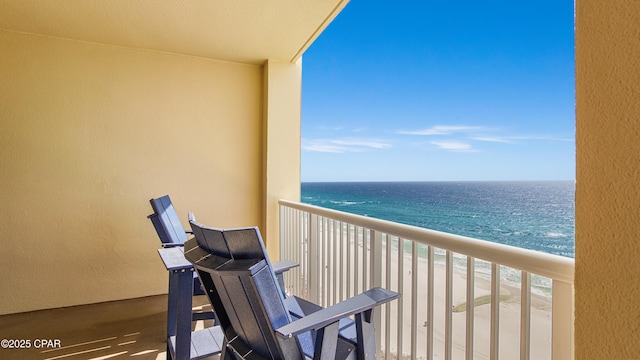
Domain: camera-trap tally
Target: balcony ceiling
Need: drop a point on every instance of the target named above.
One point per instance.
(247, 31)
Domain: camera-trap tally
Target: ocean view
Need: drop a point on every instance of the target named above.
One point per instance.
(536, 215)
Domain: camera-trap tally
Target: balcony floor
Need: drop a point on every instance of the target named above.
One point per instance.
(134, 329)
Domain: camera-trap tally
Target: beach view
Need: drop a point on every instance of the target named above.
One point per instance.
(535, 215)
(457, 118)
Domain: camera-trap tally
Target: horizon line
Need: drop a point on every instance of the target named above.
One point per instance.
(414, 181)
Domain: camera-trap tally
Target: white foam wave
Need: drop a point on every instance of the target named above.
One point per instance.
(555, 235)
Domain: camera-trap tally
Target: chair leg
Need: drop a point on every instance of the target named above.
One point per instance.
(171, 310)
(366, 336)
(197, 287)
(228, 354)
(326, 342)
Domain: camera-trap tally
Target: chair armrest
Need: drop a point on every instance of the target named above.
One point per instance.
(279, 269)
(171, 245)
(284, 265)
(321, 318)
(174, 259)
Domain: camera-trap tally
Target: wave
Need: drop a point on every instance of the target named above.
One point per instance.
(537, 215)
(555, 235)
(345, 202)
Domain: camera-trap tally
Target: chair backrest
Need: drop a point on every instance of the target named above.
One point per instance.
(166, 221)
(243, 290)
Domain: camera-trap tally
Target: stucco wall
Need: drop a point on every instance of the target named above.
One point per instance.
(88, 134)
(281, 152)
(607, 282)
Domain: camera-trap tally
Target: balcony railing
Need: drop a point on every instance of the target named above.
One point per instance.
(462, 298)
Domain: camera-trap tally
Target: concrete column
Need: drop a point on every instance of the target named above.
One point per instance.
(281, 145)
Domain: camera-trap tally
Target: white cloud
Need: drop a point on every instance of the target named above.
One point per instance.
(376, 144)
(515, 139)
(454, 146)
(480, 133)
(322, 147)
(331, 128)
(442, 130)
(504, 140)
(341, 129)
(542, 138)
(343, 145)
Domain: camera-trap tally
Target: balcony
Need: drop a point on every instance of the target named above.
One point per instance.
(105, 106)
(523, 299)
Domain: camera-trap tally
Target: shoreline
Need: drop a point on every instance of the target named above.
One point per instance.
(509, 279)
(509, 315)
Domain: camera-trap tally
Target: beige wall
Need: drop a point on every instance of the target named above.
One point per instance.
(88, 133)
(281, 161)
(607, 282)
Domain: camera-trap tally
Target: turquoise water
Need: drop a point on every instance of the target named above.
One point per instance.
(536, 215)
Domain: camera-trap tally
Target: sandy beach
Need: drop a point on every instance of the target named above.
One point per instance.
(509, 343)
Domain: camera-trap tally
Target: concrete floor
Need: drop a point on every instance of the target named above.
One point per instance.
(133, 329)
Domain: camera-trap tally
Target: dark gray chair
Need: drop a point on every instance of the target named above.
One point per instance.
(171, 233)
(166, 222)
(182, 343)
(169, 229)
(256, 319)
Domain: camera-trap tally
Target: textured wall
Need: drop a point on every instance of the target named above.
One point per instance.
(88, 133)
(607, 285)
(282, 108)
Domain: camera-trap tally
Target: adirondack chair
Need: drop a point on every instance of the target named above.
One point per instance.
(257, 321)
(171, 233)
(167, 223)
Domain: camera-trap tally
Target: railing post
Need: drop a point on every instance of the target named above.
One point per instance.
(430, 296)
(365, 259)
(283, 224)
(285, 239)
(387, 282)
(296, 277)
(562, 321)
(471, 279)
(448, 310)
(323, 237)
(335, 264)
(312, 257)
(341, 275)
(525, 316)
(414, 300)
(400, 302)
(494, 347)
(376, 280)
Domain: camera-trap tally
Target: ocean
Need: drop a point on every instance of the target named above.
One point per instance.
(536, 215)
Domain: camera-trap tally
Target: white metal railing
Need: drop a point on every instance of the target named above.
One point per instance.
(462, 298)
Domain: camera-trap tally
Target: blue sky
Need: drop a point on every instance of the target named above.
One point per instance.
(441, 91)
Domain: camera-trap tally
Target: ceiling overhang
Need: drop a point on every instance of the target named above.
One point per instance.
(246, 31)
